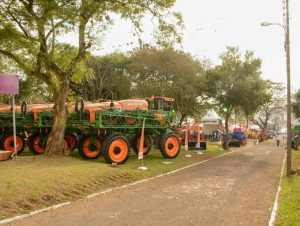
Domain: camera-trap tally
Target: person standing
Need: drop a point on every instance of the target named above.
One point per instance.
(277, 140)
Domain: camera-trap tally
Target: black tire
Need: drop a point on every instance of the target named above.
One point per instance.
(6, 142)
(235, 144)
(293, 145)
(36, 143)
(170, 146)
(88, 150)
(161, 136)
(135, 146)
(72, 139)
(115, 149)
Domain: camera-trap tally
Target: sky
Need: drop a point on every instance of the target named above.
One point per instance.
(211, 25)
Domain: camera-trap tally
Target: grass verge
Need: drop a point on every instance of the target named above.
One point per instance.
(289, 203)
(34, 182)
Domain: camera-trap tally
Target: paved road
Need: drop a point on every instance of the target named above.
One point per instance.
(236, 189)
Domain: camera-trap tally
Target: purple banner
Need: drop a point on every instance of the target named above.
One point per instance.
(9, 84)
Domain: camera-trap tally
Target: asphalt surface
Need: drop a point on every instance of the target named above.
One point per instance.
(236, 189)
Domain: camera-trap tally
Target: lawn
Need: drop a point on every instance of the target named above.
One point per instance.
(34, 182)
(289, 204)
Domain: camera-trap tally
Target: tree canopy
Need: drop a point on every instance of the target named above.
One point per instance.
(111, 78)
(235, 83)
(32, 31)
(168, 72)
(296, 104)
(274, 103)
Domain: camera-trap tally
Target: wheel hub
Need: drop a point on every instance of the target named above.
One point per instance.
(170, 146)
(93, 147)
(117, 150)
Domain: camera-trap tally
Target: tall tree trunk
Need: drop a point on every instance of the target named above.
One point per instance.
(247, 122)
(56, 137)
(182, 118)
(226, 137)
(226, 124)
(265, 126)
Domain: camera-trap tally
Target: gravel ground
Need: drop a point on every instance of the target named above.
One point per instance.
(236, 189)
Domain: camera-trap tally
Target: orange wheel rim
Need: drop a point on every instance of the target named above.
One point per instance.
(66, 146)
(172, 146)
(8, 143)
(118, 150)
(91, 149)
(71, 140)
(146, 143)
(36, 145)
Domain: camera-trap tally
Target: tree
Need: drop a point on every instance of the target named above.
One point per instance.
(253, 87)
(6, 67)
(296, 104)
(31, 34)
(226, 83)
(32, 90)
(110, 78)
(168, 72)
(274, 103)
(253, 97)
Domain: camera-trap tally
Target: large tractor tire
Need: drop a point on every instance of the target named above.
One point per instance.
(7, 142)
(115, 149)
(148, 141)
(72, 139)
(169, 146)
(37, 143)
(158, 140)
(89, 147)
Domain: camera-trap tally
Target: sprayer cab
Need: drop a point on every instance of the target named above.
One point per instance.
(161, 103)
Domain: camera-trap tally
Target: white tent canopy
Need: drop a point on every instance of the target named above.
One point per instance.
(254, 127)
(234, 127)
(211, 122)
(211, 117)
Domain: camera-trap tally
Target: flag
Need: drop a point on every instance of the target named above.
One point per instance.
(141, 147)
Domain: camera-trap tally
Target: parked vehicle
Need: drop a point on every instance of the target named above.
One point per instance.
(238, 139)
(295, 137)
(105, 127)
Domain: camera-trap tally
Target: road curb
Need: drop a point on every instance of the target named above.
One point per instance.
(10, 220)
(276, 202)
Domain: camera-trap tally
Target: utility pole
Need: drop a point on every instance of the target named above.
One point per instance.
(286, 28)
(288, 73)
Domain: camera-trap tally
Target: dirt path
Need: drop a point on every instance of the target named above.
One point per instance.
(237, 189)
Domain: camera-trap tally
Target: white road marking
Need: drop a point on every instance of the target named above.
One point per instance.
(275, 206)
(10, 220)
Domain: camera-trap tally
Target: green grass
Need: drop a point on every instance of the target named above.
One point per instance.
(289, 204)
(33, 182)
